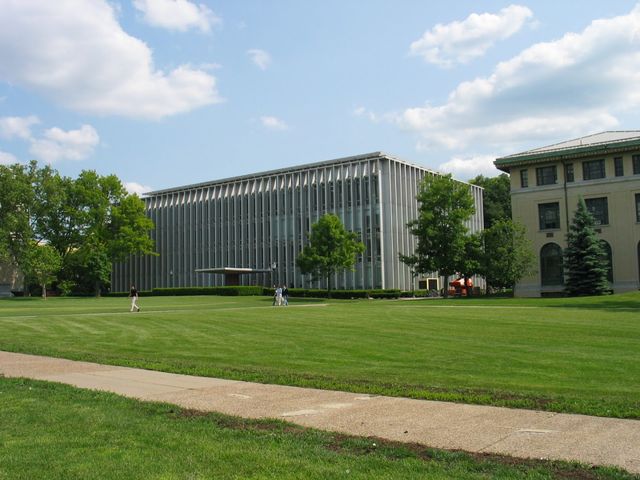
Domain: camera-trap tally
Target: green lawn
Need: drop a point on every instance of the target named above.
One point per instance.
(52, 431)
(577, 355)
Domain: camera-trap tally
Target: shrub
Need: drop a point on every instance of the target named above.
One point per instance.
(414, 293)
(390, 293)
(231, 291)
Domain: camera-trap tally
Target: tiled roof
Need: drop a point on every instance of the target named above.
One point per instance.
(591, 144)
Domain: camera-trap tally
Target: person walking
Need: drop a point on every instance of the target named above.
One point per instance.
(285, 295)
(133, 294)
(279, 296)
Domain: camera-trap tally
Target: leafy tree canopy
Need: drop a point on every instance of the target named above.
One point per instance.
(41, 263)
(89, 221)
(442, 235)
(331, 249)
(507, 254)
(496, 198)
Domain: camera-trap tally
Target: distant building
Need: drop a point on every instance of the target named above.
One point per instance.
(546, 184)
(251, 228)
(11, 279)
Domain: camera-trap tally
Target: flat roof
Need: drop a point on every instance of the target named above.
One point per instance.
(598, 143)
(232, 270)
(296, 168)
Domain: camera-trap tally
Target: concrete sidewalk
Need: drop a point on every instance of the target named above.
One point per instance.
(519, 433)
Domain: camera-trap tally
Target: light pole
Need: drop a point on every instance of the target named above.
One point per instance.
(274, 265)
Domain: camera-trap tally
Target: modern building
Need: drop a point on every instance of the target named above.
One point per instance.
(251, 228)
(546, 184)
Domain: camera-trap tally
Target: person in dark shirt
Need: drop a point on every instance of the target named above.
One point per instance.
(285, 295)
(133, 294)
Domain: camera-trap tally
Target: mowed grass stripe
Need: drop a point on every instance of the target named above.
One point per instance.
(54, 431)
(150, 311)
(572, 355)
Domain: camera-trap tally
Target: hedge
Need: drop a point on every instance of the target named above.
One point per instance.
(341, 294)
(235, 291)
(142, 293)
(257, 290)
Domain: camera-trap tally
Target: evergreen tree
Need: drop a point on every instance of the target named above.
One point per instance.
(585, 263)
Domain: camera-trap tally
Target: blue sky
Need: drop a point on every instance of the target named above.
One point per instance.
(170, 92)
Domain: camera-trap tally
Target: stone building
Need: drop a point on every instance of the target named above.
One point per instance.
(546, 184)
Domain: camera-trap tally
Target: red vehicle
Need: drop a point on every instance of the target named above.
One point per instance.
(460, 287)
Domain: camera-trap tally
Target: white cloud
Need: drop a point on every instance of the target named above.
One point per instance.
(17, 127)
(261, 58)
(134, 187)
(469, 167)
(78, 55)
(60, 145)
(273, 123)
(555, 90)
(180, 15)
(459, 42)
(7, 158)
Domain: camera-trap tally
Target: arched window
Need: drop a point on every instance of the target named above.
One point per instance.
(638, 261)
(551, 271)
(609, 258)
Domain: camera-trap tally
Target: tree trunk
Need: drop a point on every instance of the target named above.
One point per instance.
(44, 291)
(446, 286)
(97, 289)
(329, 286)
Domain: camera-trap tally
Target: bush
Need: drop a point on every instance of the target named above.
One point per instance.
(390, 293)
(348, 294)
(235, 291)
(266, 291)
(414, 293)
(141, 293)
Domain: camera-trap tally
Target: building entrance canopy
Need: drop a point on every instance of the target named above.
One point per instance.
(232, 274)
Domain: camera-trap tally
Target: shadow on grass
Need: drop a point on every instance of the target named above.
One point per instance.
(613, 303)
(294, 300)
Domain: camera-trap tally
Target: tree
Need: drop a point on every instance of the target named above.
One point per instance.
(92, 222)
(41, 263)
(128, 229)
(507, 255)
(585, 263)
(471, 261)
(496, 198)
(445, 206)
(87, 269)
(331, 249)
(16, 206)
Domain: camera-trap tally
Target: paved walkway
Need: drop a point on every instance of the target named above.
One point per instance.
(520, 433)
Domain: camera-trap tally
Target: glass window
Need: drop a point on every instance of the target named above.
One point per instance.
(551, 271)
(637, 207)
(593, 169)
(568, 172)
(524, 178)
(608, 257)
(549, 214)
(598, 207)
(618, 166)
(546, 175)
(636, 164)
